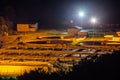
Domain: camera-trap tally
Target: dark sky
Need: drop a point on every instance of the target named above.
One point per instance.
(61, 11)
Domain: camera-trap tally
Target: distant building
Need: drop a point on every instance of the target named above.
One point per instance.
(27, 27)
(72, 31)
(75, 32)
(82, 34)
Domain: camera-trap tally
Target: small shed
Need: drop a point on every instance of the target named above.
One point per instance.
(27, 27)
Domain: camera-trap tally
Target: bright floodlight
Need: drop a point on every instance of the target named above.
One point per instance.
(93, 20)
(81, 14)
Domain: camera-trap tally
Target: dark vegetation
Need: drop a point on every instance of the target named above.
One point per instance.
(104, 67)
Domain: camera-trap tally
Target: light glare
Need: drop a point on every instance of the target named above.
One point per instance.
(93, 20)
(81, 14)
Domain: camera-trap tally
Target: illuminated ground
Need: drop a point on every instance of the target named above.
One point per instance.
(26, 54)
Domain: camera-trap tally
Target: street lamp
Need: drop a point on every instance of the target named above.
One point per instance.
(71, 23)
(81, 14)
(93, 21)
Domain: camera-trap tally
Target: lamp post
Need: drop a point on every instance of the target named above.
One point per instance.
(81, 14)
(93, 21)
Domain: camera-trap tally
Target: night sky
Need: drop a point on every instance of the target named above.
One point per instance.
(58, 12)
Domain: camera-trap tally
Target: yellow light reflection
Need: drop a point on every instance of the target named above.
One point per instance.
(14, 70)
